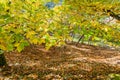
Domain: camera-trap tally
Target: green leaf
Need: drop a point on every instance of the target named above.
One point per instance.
(10, 47)
(22, 45)
(1, 51)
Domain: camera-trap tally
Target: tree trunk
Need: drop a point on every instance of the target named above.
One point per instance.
(2, 60)
(81, 37)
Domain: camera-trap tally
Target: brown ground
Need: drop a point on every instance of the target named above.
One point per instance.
(67, 63)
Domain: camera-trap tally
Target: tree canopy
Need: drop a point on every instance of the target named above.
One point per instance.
(28, 22)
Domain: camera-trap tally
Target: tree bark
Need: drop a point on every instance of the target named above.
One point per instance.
(2, 60)
(81, 37)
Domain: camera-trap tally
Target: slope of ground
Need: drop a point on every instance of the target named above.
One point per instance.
(70, 62)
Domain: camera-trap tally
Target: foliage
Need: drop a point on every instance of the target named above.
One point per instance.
(114, 76)
(88, 16)
(27, 22)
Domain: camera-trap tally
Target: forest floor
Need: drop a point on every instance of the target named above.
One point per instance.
(82, 62)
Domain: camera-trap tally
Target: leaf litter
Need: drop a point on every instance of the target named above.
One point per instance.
(70, 62)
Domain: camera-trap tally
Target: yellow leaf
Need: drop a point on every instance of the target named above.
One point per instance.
(29, 34)
(41, 41)
(16, 44)
(35, 41)
(2, 47)
(106, 29)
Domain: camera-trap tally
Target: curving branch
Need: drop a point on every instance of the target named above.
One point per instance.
(112, 14)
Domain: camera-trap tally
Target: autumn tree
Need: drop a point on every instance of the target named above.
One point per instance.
(28, 22)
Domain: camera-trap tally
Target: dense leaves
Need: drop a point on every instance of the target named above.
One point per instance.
(27, 22)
